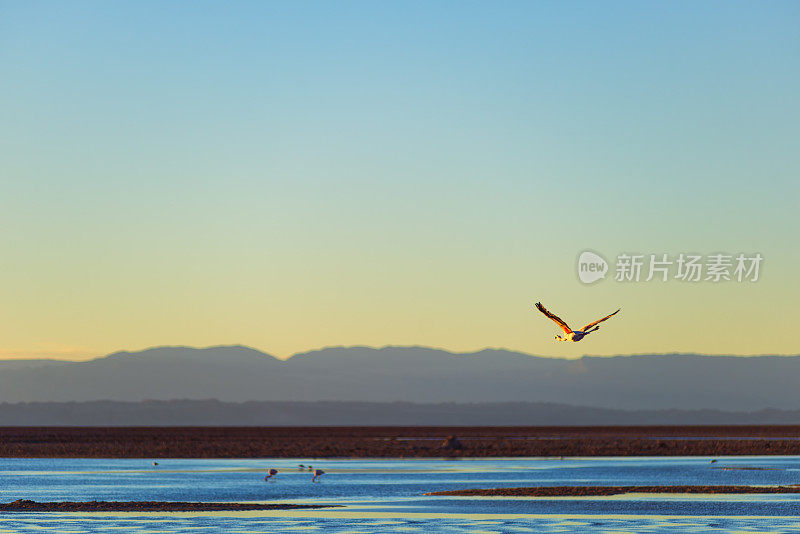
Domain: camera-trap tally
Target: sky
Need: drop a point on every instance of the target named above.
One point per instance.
(294, 175)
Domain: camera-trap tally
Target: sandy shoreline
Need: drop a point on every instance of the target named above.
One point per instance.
(590, 491)
(394, 442)
(24, 505)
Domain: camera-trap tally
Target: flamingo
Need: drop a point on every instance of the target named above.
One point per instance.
(271, 473)
(317, 473)
(573, 335)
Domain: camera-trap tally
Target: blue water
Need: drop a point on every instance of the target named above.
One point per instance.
(386, 495)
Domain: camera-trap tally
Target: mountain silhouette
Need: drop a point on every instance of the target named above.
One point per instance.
(412, 374)
(217, 413)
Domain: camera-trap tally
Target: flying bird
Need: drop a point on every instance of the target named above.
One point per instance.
(573, 335)
(271, 473)
(317, 473)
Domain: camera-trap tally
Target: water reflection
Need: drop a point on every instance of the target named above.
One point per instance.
(386, 495)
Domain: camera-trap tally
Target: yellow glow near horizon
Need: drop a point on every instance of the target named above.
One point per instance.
(292, 179)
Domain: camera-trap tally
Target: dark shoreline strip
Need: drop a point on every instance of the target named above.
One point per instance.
(395, 442)
(24, 505)
(590, 491)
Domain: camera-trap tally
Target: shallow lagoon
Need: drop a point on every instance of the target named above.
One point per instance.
(386, 495)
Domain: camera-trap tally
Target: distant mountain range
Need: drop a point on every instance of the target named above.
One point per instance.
(413, 374)
(216, 413)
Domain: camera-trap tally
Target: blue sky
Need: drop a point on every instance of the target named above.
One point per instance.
(291, 175)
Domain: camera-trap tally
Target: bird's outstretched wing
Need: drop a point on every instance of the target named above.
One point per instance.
(561, 323)
(588, 326)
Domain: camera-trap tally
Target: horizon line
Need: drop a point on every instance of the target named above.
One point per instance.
(377, 348)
